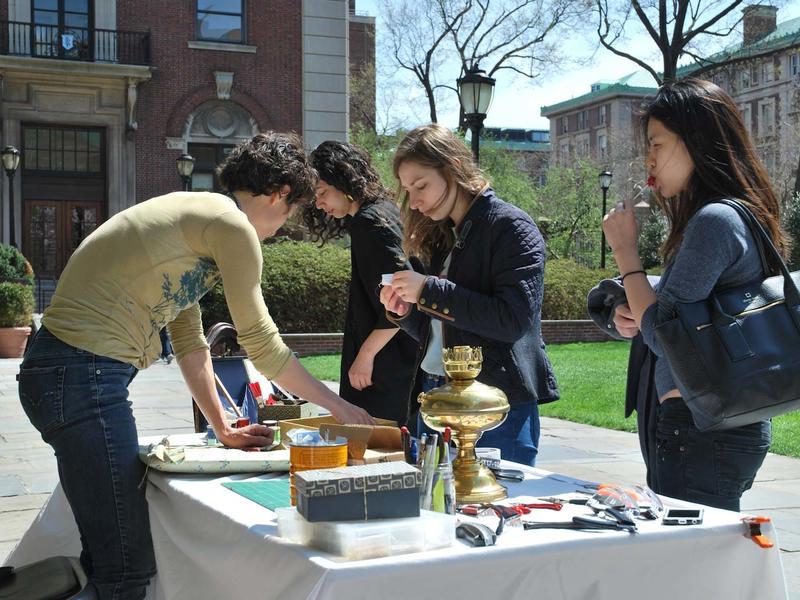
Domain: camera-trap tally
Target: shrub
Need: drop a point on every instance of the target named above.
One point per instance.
(16, 304)
(651, 237)
(791, 223)
(14, 266)
(304, 286)
(566, 285)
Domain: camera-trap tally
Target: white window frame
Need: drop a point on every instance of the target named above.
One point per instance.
(747, 116)
(602, 148)
(744, 78)
(794, 64)
(766, 128)
(601, 114)
(767, 71)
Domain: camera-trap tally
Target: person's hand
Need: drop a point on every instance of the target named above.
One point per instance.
(619, 226)
(624, 322)
(360, 372)
(350, 414)
(252, 436)
(408, 285)
(393, 302)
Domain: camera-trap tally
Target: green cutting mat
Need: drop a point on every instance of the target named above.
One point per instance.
(270, 493)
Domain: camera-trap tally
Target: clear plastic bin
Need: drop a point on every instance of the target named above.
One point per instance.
(357, 540)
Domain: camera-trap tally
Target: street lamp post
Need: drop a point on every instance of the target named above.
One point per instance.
(185, 164)
(605, 183)
(475, 90)
(11, 158)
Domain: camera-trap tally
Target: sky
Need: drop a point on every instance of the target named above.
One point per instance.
(517, 101)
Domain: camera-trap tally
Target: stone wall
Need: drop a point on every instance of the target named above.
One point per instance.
(554, 332)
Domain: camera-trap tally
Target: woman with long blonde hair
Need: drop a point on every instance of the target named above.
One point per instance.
(483, 285)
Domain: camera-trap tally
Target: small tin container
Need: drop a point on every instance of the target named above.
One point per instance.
(211, 437)
(272, 424)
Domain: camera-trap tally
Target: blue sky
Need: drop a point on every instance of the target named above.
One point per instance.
(517, 101)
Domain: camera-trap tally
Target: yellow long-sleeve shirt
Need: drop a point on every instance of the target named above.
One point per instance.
(148, 266)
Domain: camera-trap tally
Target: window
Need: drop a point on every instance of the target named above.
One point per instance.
(754, 75)
(745, 78)
(564, 151)
(62, 149)
(220, 20)
(602, 146)
(601, 115)
(794, 64)
(766, 117)
(747, 117)
(582, 146)
(767, 71)
(61, 28)
(564, 125)
(583, 120)
(206, 158)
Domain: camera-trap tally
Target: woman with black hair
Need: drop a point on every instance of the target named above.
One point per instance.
(698, 152)
(377, 358)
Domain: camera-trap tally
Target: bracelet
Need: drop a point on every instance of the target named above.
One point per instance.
(622, 279)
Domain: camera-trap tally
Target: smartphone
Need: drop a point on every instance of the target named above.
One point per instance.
(683, 516)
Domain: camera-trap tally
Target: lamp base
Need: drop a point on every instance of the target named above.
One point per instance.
(475, 483)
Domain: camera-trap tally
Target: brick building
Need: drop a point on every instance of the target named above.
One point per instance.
(531, 146)
(102, 96)
(761, 73)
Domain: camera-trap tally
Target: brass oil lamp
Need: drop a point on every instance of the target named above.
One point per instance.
(469, 408)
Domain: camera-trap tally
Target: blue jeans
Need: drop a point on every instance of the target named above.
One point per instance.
(518, 436)
(79, 403)
(713, 467)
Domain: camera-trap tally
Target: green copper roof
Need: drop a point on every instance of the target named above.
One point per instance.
(786, 35)
(640, 83)
(606, 90)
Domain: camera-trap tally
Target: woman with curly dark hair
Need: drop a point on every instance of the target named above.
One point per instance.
(144, 268)
(377, 359)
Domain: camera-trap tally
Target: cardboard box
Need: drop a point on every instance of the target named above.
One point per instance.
(314, 423)
(360, 493)
(282, 412)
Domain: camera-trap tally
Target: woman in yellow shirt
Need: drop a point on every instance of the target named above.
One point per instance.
(144, 268)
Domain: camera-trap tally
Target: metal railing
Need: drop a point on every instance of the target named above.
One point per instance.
(74, 43)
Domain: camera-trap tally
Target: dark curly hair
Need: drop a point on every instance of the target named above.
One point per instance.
(347, 168)
(267, 162)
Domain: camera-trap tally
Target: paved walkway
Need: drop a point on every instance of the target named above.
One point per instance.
(161, 405)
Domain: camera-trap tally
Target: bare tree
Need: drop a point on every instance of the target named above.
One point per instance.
(679, 28)
(417, 37)
(512, 35)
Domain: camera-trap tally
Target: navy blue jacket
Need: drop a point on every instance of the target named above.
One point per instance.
(492, 298)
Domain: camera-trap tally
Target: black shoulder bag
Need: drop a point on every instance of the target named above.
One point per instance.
(735, 356)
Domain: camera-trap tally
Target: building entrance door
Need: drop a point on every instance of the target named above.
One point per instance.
(55, 230)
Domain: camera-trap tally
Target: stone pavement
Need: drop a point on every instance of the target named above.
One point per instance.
(161, 405)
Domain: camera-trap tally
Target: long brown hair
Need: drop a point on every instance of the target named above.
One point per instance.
(437, 147)
(725, 162)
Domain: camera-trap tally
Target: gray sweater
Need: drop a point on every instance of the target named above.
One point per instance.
(717, 251)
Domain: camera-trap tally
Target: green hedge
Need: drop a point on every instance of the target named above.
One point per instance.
(566, 284)
(14, 266)
(304, 287)
(16, 304)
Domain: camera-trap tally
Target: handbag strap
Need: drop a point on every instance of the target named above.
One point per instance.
(765, 245)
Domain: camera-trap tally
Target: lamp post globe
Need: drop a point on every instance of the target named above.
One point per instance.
(605, 182)
(185, 165)
(475, 90)
(11, 157)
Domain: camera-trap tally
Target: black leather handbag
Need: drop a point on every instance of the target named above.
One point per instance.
(735, 356)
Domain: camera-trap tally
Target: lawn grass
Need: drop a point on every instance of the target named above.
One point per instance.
(591, 377)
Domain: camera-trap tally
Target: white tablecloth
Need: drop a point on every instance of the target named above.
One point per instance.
(212, 543)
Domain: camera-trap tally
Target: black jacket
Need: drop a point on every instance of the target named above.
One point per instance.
(640, 389)
(492, 297)
(375, 239)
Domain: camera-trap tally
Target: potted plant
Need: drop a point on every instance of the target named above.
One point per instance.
(16, 301)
